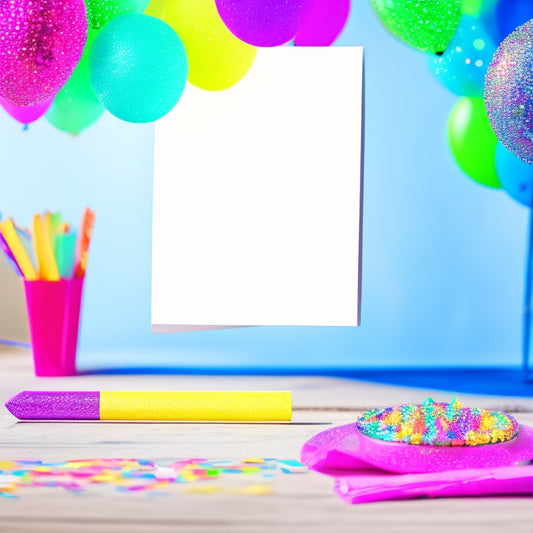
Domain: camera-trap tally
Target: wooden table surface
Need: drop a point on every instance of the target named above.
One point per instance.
(298, 502)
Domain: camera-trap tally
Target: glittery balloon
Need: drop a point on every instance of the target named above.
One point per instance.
(41, 42)
(324, 23)
(138, 67)
(462, 67)
(264, 22)
(100, 12)
(427, 25)
(509, 92)
(26, 114)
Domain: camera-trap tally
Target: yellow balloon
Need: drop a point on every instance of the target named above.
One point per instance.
(217, 59)
(156, 8)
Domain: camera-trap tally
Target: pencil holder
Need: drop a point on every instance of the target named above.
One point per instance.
(54, 314)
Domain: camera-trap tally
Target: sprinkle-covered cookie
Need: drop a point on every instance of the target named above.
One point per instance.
(438, 424)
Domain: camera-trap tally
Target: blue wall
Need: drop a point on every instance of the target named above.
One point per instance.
(443, 257)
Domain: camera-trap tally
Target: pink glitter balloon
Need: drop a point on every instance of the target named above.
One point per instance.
(264, 22)
(29, 113)
(41, 42)
(324, 23)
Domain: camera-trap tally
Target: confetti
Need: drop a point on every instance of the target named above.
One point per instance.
(203, 489)
(139, 475)
(259, 489)
(292, 467)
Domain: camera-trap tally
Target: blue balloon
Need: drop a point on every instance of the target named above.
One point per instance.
(515, 175)
(138, 67)
(462, 66)
(509, 14)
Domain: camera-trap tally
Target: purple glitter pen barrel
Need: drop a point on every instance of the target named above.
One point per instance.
(57, 405)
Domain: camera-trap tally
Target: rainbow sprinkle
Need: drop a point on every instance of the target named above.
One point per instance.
(438, 424)
(138, 475)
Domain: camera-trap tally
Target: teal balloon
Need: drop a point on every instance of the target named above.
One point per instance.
(515, 175)
(138, 67)
(462, 66)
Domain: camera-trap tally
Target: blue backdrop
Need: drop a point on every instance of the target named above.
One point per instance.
(443, 259)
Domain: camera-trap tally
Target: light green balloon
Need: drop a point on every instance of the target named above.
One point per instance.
(472, 141)
(76, 107)
(475, 8)
(427, 25)
(100, 12)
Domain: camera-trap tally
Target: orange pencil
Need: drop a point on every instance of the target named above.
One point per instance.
(83, 242)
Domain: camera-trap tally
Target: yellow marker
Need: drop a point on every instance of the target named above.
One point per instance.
(7, 228)
(48, 223)
(43, 250)
(197, 406)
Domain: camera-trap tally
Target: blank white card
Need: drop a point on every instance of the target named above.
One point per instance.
(257, 197)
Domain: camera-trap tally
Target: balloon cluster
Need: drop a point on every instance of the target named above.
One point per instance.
(71, 60)
(482, 51)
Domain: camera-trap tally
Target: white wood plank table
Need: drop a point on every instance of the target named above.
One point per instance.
(298, 503)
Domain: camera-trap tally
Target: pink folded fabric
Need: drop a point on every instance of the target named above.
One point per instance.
(371, 486)
(366, 470)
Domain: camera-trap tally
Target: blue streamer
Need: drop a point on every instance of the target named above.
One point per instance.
(526, 332)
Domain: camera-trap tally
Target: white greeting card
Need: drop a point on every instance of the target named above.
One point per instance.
(258, 195)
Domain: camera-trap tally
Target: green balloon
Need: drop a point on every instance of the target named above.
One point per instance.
(472, 141)
(100, 12)
(427, 25)
(475, 8)
(76, 107)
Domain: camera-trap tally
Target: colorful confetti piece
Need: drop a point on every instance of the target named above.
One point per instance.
(139, 475)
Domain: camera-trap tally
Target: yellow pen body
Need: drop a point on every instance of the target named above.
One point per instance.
(197, 406)
(43, 249)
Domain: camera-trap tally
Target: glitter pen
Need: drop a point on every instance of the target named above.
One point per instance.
(178, 406)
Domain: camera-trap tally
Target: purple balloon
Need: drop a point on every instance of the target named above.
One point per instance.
(324, 23)
(41, 42)
(264, 22)
(29, 113)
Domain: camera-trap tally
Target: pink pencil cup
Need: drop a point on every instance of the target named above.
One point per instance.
(54, 315)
